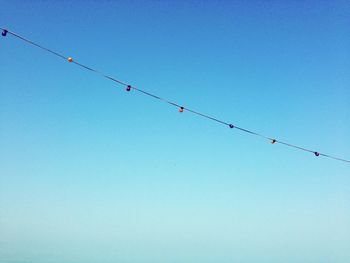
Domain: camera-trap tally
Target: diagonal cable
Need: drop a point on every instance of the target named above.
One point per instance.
(181, 108)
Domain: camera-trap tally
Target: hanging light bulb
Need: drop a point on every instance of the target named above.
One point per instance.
(4, 33)
(128, 88)
(70, 59)
(181, 109)
(273, 141)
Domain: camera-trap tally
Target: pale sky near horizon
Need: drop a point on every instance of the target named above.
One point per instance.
(91, 173)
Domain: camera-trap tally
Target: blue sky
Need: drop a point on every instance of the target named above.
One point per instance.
(91, 173)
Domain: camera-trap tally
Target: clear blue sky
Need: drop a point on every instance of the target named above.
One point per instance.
(90, 173)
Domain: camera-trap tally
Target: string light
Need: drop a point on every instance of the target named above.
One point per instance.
(181, 108)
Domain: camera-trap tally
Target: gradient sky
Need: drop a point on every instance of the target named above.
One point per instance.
(90, 173)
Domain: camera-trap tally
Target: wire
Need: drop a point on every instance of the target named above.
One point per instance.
(181, 108)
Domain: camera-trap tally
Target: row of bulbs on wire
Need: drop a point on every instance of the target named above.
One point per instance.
(180, 108)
